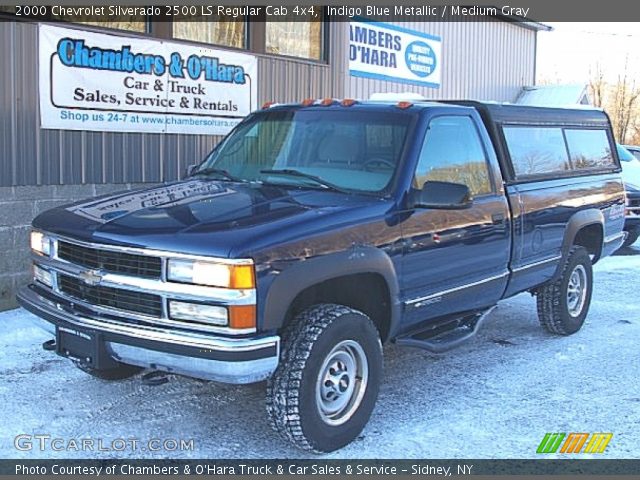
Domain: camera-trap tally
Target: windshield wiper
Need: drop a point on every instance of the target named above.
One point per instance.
(218, 171)
(297, 173)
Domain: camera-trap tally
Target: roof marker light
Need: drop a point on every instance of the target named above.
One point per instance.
(404, 105)
(347, 102)
(266, 105)
(308, 102)
(326, 102)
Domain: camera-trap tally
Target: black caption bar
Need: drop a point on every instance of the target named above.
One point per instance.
(284, 10)
(320, 467)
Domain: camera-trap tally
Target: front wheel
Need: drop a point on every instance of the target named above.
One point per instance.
(563, 304)
(326, 385)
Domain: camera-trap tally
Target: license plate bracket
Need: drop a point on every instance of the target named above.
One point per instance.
(83, 346)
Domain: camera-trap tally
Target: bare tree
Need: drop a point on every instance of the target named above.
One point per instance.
(597, 86)
(621, 100)
(625, 99)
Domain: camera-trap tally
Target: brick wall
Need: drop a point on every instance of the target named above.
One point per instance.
(18, 207)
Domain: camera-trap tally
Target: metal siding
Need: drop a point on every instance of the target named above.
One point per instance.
(490, 60)
(285, 79)
(33, 156)
(24, 97)
(7, 106)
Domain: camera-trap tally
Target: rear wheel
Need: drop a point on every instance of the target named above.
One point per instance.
(563, 304)
(324, 390)
(121, 372)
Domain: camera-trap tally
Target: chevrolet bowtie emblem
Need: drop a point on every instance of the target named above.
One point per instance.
(91, 277)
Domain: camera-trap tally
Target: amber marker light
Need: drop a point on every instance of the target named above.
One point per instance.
(404, 105)
(242, 316)
(242, 277)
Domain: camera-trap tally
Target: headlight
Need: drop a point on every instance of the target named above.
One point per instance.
(201, 272)
(40, 243)
(210, 314)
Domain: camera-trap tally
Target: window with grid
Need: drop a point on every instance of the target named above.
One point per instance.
(216, 30)
(296, 37)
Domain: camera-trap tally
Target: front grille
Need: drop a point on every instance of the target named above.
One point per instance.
(109, 261)
(144, 303)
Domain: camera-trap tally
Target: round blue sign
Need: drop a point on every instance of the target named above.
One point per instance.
(420, 58)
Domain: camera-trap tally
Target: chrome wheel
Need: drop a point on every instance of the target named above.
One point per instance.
(577, 291)
(342, 382)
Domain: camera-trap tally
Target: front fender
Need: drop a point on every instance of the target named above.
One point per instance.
(296, 278)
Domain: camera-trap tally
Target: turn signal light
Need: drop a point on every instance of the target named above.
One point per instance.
(242, 276)
(242, 316)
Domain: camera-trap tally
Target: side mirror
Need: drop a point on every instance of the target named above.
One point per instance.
(190, 170)
(442, 195)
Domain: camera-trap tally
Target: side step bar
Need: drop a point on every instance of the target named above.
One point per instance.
(440, 338)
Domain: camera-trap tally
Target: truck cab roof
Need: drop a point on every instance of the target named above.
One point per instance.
(491, 112)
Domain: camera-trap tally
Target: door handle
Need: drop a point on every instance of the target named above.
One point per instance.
(497, 218)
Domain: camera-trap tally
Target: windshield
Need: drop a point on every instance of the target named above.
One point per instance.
(340, 149)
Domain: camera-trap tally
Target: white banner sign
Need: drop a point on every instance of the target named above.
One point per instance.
(104, 82)
(388, 52)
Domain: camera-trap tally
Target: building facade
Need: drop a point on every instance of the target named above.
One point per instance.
(44, 167)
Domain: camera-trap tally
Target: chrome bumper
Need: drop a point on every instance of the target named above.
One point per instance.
(229, 360)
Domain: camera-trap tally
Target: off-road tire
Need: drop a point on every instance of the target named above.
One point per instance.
(121, 372)
(553, 310)
(292, 403)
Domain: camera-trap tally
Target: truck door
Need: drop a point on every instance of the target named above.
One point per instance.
(456, 260)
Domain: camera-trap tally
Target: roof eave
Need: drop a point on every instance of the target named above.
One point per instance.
(525, 23)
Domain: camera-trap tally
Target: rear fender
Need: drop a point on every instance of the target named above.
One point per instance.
(577, 222)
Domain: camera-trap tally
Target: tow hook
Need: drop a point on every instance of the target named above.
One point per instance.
(49, 345)
(153, 379)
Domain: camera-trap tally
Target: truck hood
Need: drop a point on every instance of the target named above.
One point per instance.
(200, 217)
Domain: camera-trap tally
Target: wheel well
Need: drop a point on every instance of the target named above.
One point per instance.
(367, 292)
(591, 237)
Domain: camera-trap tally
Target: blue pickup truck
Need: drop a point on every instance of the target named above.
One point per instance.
(316, 232)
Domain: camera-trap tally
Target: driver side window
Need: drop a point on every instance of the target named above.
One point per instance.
(452, 152)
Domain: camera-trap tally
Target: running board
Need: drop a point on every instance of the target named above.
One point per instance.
(442, 337)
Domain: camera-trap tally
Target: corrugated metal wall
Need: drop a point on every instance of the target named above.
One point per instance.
(490, 60)
(31, 156)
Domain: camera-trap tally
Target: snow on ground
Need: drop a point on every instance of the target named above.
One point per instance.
(494, 397)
